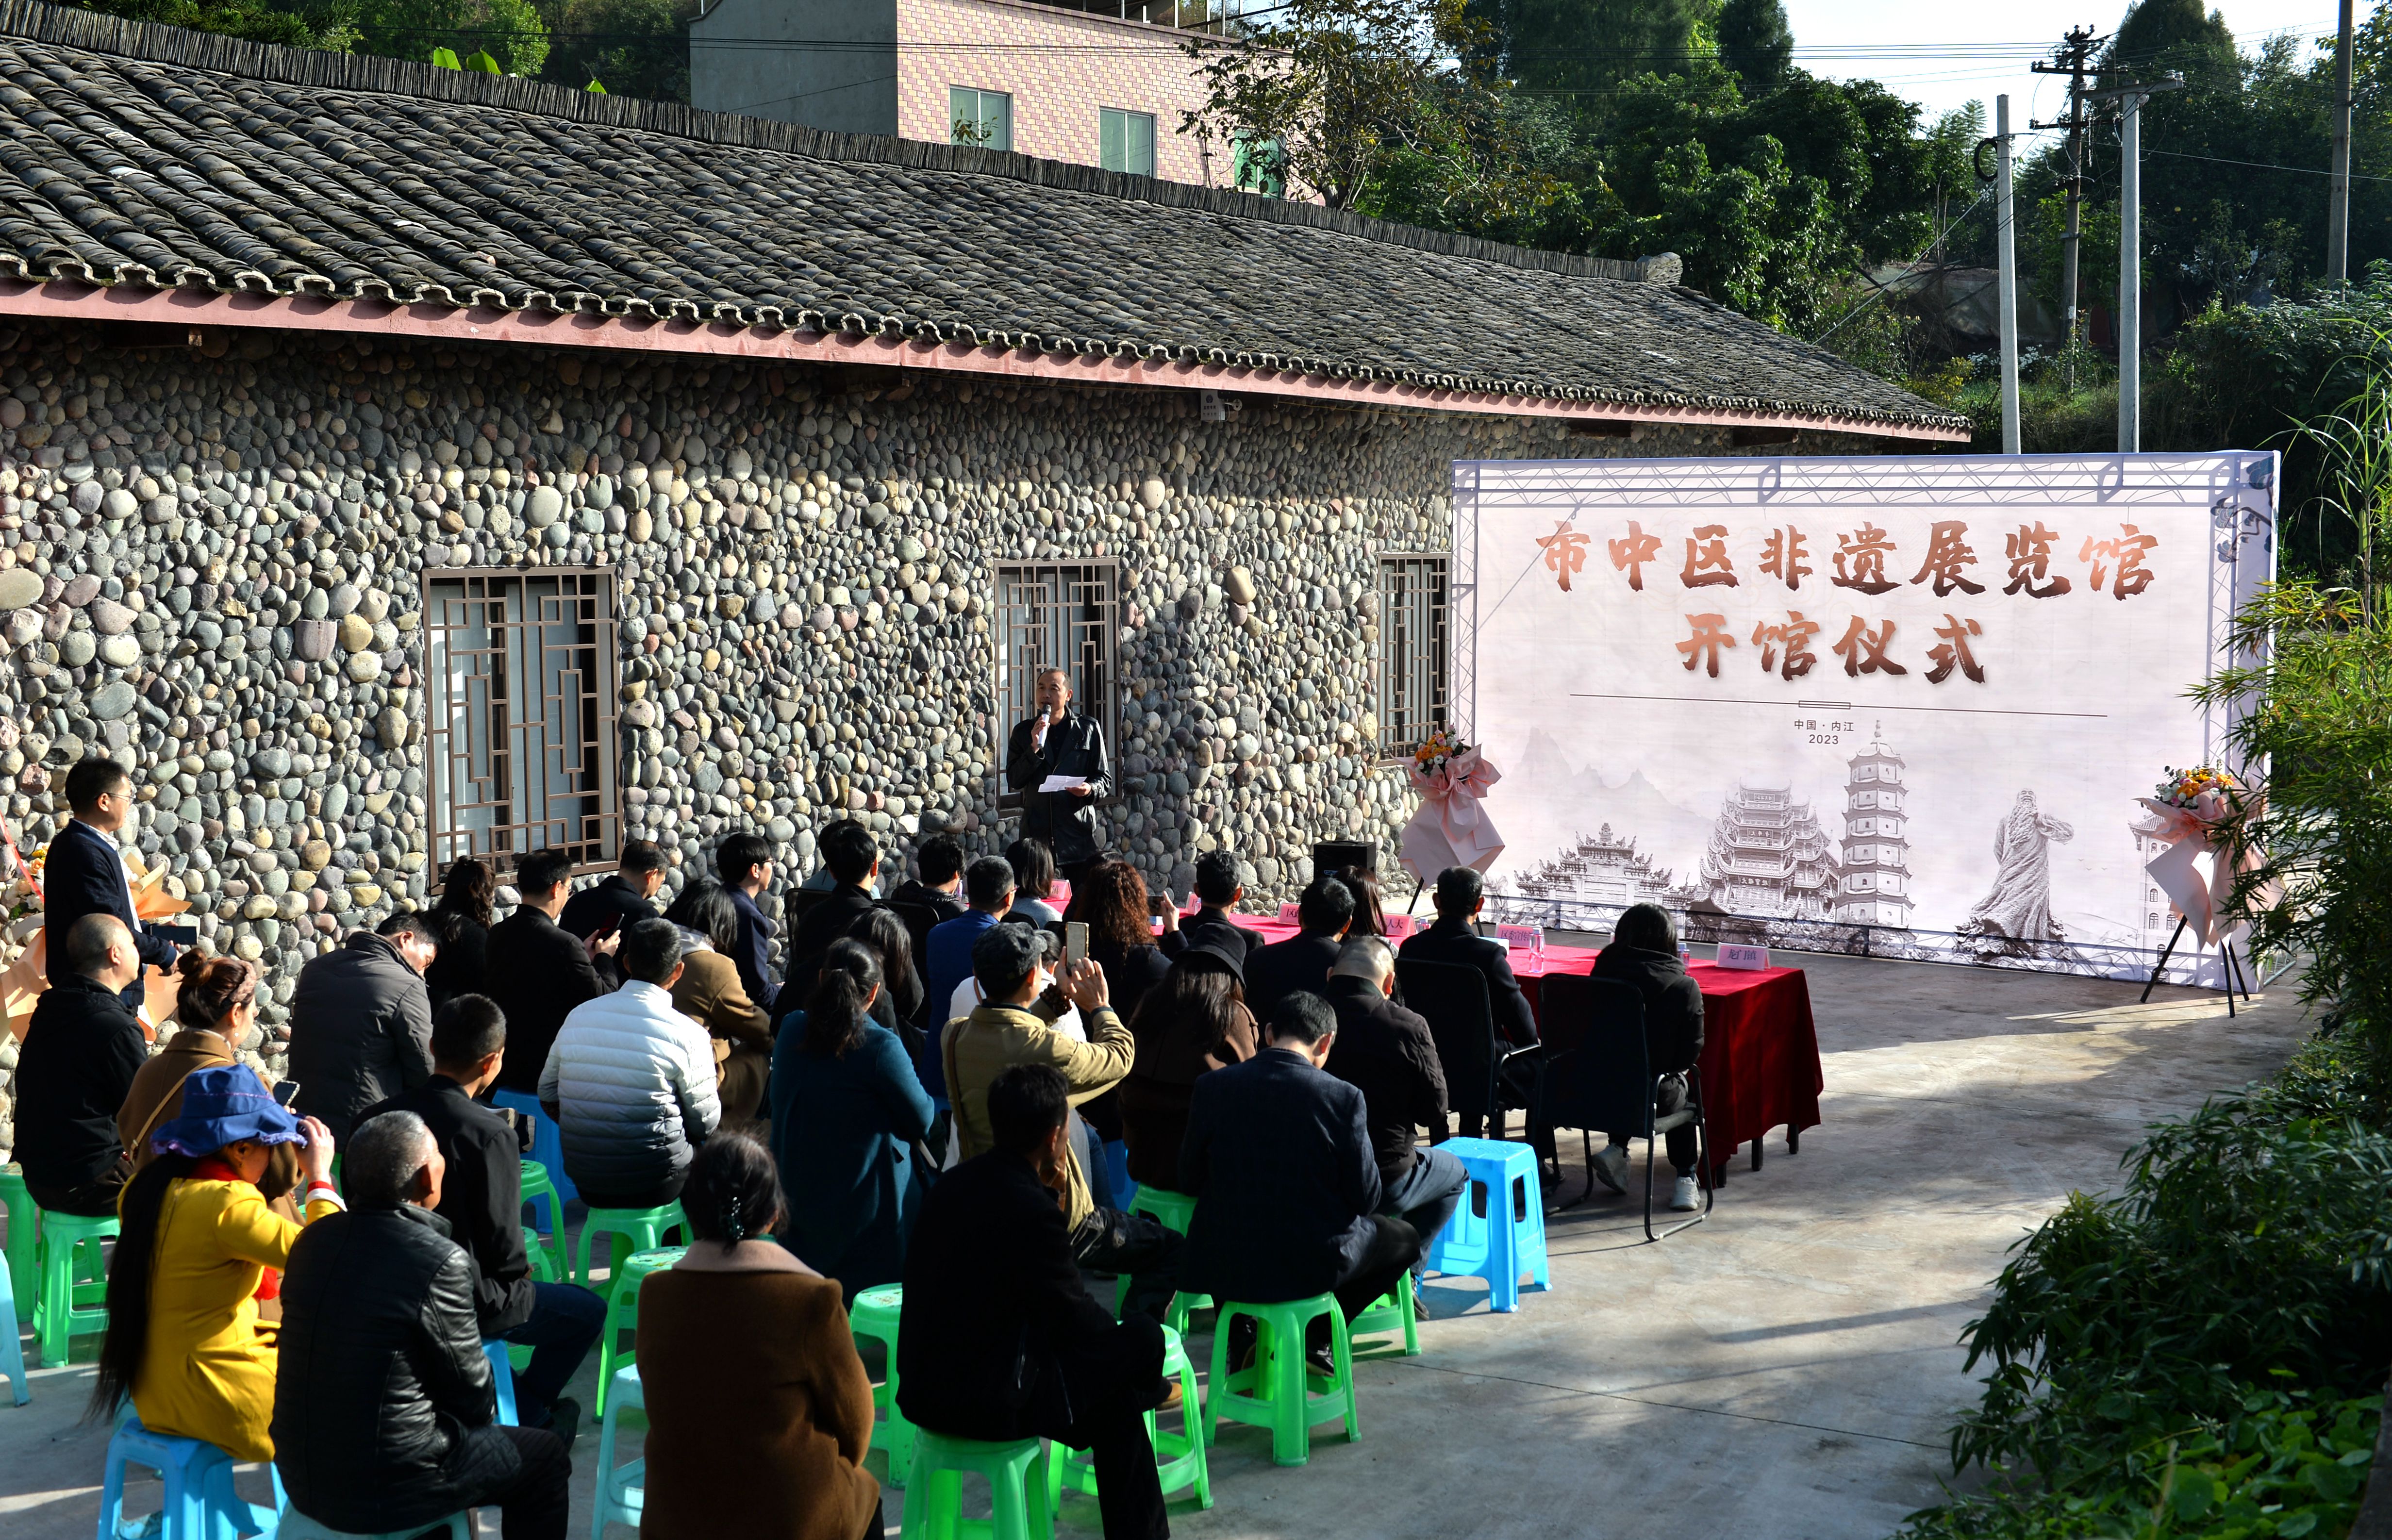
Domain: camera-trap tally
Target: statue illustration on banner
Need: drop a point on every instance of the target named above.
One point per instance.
(1452, 827)
(2019, 909)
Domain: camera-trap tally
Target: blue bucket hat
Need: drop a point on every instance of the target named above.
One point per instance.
(223, 1105)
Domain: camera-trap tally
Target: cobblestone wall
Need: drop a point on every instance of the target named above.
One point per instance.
(211, 559)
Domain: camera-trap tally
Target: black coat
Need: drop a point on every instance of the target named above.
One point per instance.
(360, 1030)
(1386, 1052)
(811, 938)
(84, 874)
(73, 1070)
(1454, 941)
(614, 899)
(1275, 971)
(462, 965)
(481, 1198)
(383, 1400)
(1279, 1159)
(1674, 1004)
(1211, 927)
(1067, 823)
(991, 1299)
(1128, 975)
(538, 972)
(948, 905)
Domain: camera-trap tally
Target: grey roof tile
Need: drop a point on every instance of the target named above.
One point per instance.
(141, 155)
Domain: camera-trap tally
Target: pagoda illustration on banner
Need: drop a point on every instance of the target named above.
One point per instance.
(1875, 877)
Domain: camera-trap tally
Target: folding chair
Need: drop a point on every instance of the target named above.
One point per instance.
(1599, 1078)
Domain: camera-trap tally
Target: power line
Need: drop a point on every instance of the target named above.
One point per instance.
(2261, 165)
(1882, 290)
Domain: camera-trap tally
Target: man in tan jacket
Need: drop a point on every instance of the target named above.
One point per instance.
(1013, 1025)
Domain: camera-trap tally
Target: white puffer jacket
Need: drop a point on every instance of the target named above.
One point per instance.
(631, 1082)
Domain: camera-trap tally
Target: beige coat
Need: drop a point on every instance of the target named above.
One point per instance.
(994, 1038)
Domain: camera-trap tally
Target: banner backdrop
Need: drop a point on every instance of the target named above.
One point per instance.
(1898, 707)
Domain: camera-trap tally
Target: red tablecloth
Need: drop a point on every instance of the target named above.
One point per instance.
(1761, 1049)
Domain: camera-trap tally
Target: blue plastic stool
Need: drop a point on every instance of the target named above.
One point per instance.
(622, 1489)
(201, 1503)
(546, 1148)
(502, 1379)
(12, 1349)
(1491, 1238)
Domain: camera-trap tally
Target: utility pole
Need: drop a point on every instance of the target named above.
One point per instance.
(2338, 218)
(2071, 58)
(2130, 100)
(2006, 249)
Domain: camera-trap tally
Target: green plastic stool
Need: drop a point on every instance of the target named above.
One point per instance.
(1017, 1484)
(538, 1188)
(875, 1315)
(1173, 1211)
(1278, 1392)
(1178, 1457)
(546, 1266)
(74, 1282)
(623, 1310)
(22, 1228)
(1393, 1309)
(637, 1230)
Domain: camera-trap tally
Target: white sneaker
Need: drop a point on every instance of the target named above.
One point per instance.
(1611, 1168)
(1686, 1197)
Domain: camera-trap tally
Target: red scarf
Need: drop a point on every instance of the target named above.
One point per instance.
(215, 1168)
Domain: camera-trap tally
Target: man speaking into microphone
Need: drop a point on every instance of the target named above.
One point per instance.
(1057, 761)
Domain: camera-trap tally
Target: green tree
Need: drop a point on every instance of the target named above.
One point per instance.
(1755, 41)
(636, 47)
(1586, 50)
(511, 32)
(328, 26)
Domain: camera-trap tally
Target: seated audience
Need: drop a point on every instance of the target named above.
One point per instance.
(361, 1021)
(536, 972)
(84, 871)
(75, 1068)
(1369, 900)
(197, 1247)
(900, 1003)
(1033, 881)
(631, 1081)
(627, 895)
(217, 1007)
(1111, 899)
(759, 1412)
(939, 887)
(1644, 951)
(710, 994)
(852, 858)
(1192, 1024)
(1385, 1052)
(1302, 961)
(1012, 1026)
(999, 1339)
(744, 862)
(461, 926)
(1217, 892)
(988, 882)
(847, 1117)
(1280, 1161)
(481, 1199)
(1461, 894)
(386, 1412)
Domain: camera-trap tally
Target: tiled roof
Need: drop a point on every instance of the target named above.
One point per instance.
(141, 155)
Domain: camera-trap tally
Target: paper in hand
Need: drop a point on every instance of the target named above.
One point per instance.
(1061, 782)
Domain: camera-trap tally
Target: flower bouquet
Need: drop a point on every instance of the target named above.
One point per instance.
(2191, 809)
(1450, 829)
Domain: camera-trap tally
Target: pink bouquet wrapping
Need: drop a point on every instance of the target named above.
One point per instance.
(2191, 810)
(1452, 827)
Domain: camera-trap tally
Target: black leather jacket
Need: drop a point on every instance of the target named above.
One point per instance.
(1068, 824)
(383, 1401)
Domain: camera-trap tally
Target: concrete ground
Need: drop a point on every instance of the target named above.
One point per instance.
(1789, 1370)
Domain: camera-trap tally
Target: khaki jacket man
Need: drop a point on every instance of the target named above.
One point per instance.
(994, 1038)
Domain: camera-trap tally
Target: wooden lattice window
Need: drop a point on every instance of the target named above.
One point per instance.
(1057, 614)
(520, 715)
(1413, 689)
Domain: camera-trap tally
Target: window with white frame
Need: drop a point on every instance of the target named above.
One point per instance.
(982, 118)
(1125, 141)
(1411, 650)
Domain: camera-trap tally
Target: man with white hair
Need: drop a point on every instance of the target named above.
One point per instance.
(384, 1414)
(1385, 1052)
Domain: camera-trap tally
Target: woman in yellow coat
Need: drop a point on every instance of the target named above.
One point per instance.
(198, 1249)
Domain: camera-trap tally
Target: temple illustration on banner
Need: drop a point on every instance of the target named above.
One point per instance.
(1769, 859)
(1604, 868)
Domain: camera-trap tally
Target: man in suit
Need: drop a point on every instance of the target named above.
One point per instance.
(1385, 1052)
(1302, 961)
(947, 960)
(1279, 1161)
(627, 895)
(537, 971)
(1217, 892)
(75, 1069)
(939, 887)
(743, 863)
(998, 1338)
(852, 858)
(1059, 741)
(84, 872)
(362, 1022)
(1460, 893)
